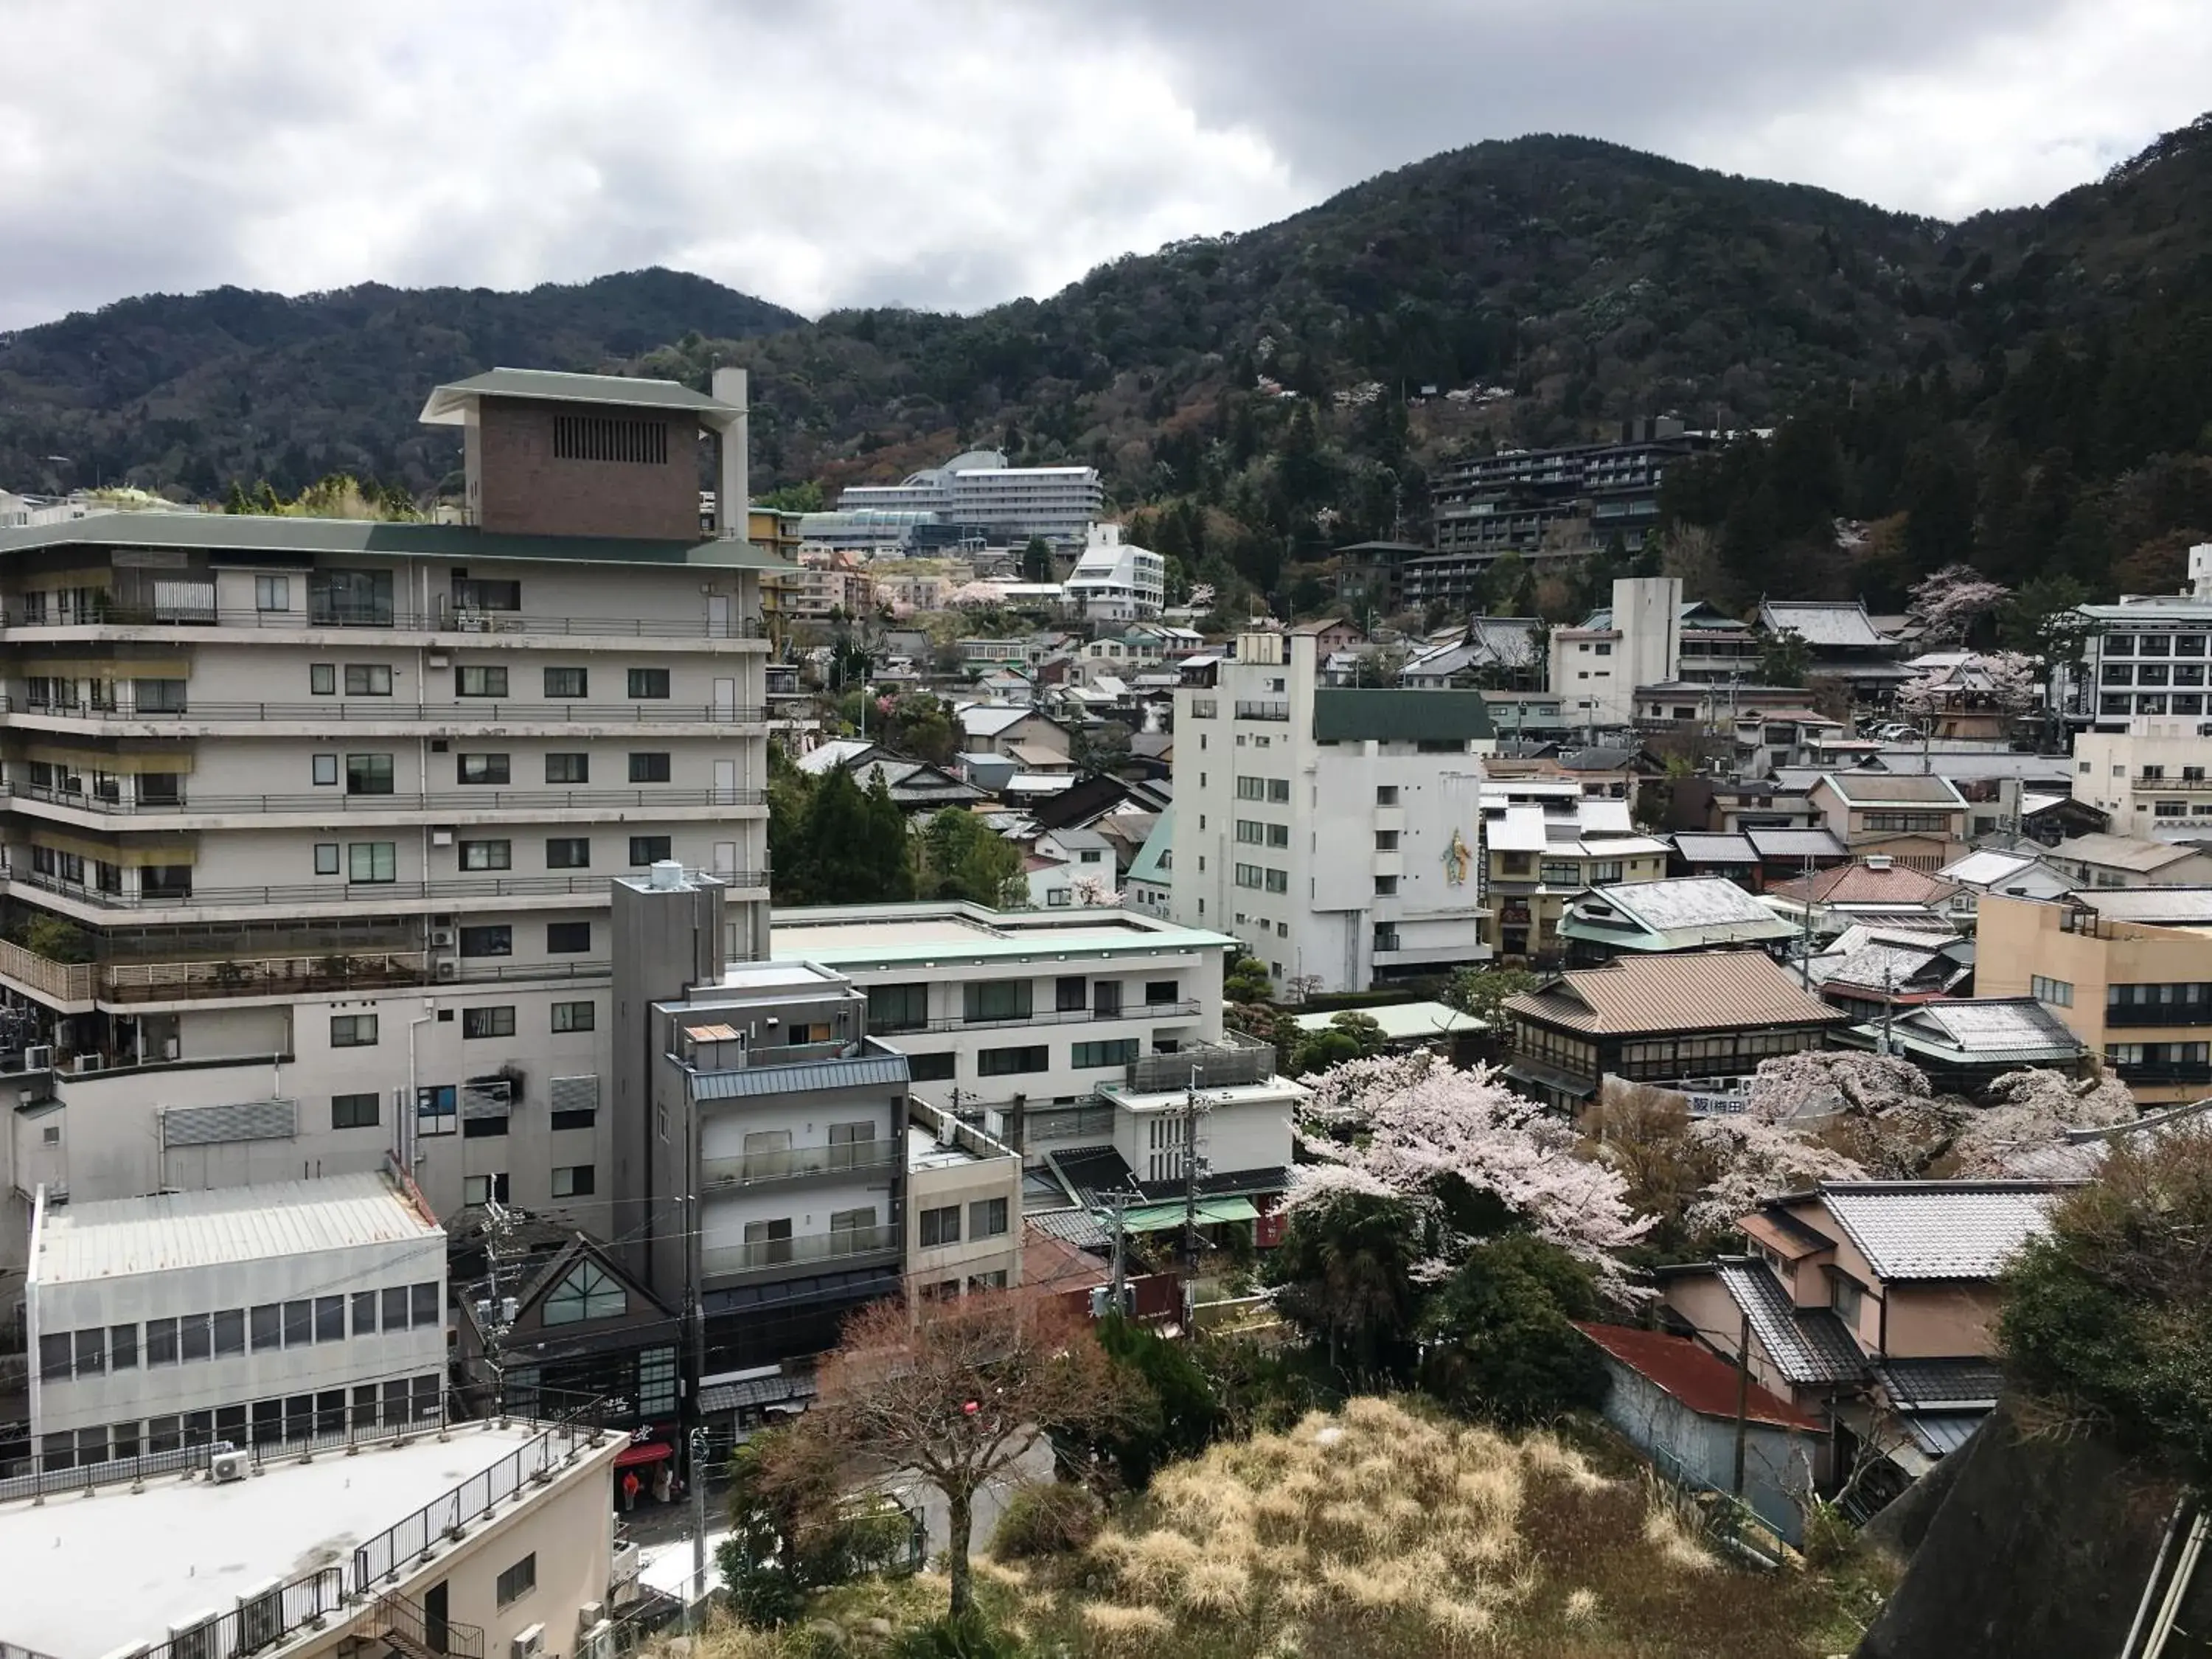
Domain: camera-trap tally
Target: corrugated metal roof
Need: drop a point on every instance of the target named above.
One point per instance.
(1902, 788)
(1997, 1027)
(1695, 1376)
(1862, 883)
(1697, 991)
(1795, 844)
(1691, 902)
(1940, 1229)
(1716, 849)
(2155, 907)
(1940, 1433)
(1808, 1346)
(1920, 1384)
(865, 1071)
(115, 1238)
(755, 1391)
(1829, 623)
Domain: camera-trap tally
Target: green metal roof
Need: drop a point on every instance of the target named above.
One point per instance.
(1146, 866)
(1163, 1217)
(254, 532)
(1357, 714)
(448, 404)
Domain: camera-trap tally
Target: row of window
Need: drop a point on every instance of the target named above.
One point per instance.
(1263, 880)
(905, 1007)
(1925, 823)
(2183, 702)
(1255, 834)
(374, 679)
(2154, 645)
(494, 1020)
(2152, 673)
(2058, 993)
(1271, 789)
(369, 863)
(260, 1423)
(374, 774)
(987, 1219)
(100, 1349)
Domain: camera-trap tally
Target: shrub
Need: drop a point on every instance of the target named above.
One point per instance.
(1049, 1519)
(956, 1636)
(1507, 1349)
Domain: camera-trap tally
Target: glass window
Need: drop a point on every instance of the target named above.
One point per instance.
(1009, 1062)
(568, 938)
(364, 1313)
(898, 1008)
(1004, 999)
(422, 1304)
(395, 1308)
(123, 1347)
(92, 1352)
(487, 855)
(482, 768)
(588, 1291)
(353, 1030)
(568, 768)
(325, 768)
(272, 592)
(572, 1016)
(941, 1226)
(569, 852)
(575, 1180)
(355, 1111)
(1097, 1056)
(195, 1336)
(299, 1323)
(359, 599)
(495, 1022)
(569, 684)
(986, 1217)
(518, 1580)
(480, 681)
(160, 1342)
(368, 679)
(648, 682)
(329, 1318)
(323, 679)
(651, 767)
(494, 940)
(368, 775)
(373, 861)
(647, 849)
(326, 858)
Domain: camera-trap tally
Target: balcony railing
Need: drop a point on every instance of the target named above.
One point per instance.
(460, 712)
(2163, 1072)
(2146, 784)
(1263, 711)
(845, 1158)
(276, 975)
(462, 802)
(363, 894)
(442, 620)
(879, 1026)
(408, 1627)
(808, 1249)
(2141, 1015)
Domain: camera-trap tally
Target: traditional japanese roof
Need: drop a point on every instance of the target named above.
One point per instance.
(1695, 991)
(1808, 1346)
(1937, 1230)
(1699, 848)
(1824, 624)
(1939, 1385)
(1988, 868)
(1796, 844)
(1694, 1375)
(2123, 852)
(837, 752)
(1865, 788)
(1985, 1031)
(2153, 906)
(1679, 914)
(1865, 884)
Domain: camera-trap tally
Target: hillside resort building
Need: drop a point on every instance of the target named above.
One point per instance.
(982, 489)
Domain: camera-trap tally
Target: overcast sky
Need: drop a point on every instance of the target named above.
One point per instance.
(955, 153)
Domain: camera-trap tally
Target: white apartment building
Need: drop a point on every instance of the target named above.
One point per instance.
(309, 823)
(1114, 580)
(980, 487)
(253, 1315)
(2151, 775)
(1647, 636)
(494, 1540)
(964, 1228)
(1335, 832)
(2147, 655)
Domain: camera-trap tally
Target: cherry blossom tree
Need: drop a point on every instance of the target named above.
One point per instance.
(2028, 1110)
(1919, 697)
(1752, 1160)
(1824, 1082)
(1414, 1127)
(2015, 680)
(1947, 605)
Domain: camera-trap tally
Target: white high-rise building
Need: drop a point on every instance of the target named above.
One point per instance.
(310, 822)
(1335, 831)
(1059, 503)
(1116, 580)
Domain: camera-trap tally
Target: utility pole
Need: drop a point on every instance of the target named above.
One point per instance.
(1190, 1178)
(1743, 1399)
(1805, 930)
(699, 1520)
(1120, 1203)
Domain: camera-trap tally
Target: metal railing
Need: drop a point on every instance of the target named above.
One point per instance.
(408, 1626)
(344, 892)
(382, 1558)
(487, 798)
(769, 1253)
(2164, 785)
(2162, 1072)
(261, 1621)
(463, 712)
(442, 620)
(1225, 1065)
(1052, 1017)
(845, 1157)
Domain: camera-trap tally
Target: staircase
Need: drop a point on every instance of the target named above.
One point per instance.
(399, 1623)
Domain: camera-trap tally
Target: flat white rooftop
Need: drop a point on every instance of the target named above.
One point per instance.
(117, 1237)
(88, 1575)
(857, 936)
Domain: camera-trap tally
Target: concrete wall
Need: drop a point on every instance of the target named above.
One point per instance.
(1779, 1463)
(520, 489)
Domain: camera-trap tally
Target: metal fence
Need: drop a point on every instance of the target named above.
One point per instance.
(474, 1499)
(260, 1621)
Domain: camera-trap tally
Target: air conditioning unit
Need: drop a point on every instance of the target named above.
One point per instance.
(260, 1617)
(529, 1644)
(226, 1467)
(448, 969)
(586, 1616)
(196, 1639)
(598, 1641)
(39, 1058)
(443, 940)
(83, 1063)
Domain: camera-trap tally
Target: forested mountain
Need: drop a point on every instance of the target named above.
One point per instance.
(2011, 383)
(187, 393)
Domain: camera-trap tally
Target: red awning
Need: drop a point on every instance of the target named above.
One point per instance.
(650, 1451)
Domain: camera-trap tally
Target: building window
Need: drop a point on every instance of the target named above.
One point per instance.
(1249, 875)
(272, 592)
(568, 938)
(368, 679)
(941, 1226)
(324, 769)
(481, 593)
(1158, 991)
(326, 858)
(1386, 886)
(1279, 881)
(567, 685)
(568, 768)
(1845, 1295)
(931, 1068)
(1386, 936)
(368, 775)
(1009, 1062)
(2057, 992)
(1386, 840)
(649, 768)
(573, 1017)
(437, 1109)
(482, 1190)
(355, 1111)
(487, 855)
(1279, 834)
(373, 861)
(482, 769)
(518, 1580)
(995, 1000)
(647, 849)
(608, 438)
(1386, 794)
(353, 1030)
(1097, 1056)
(575, 1180)
(480, 681)
(494, 1022)
(495, 941)
(589, 1292)
(322, 679)
(648, 682)
(986, 1217)
(898, 1008)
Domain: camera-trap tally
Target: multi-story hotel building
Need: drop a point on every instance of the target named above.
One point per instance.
(309, 823)
(979, 489)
